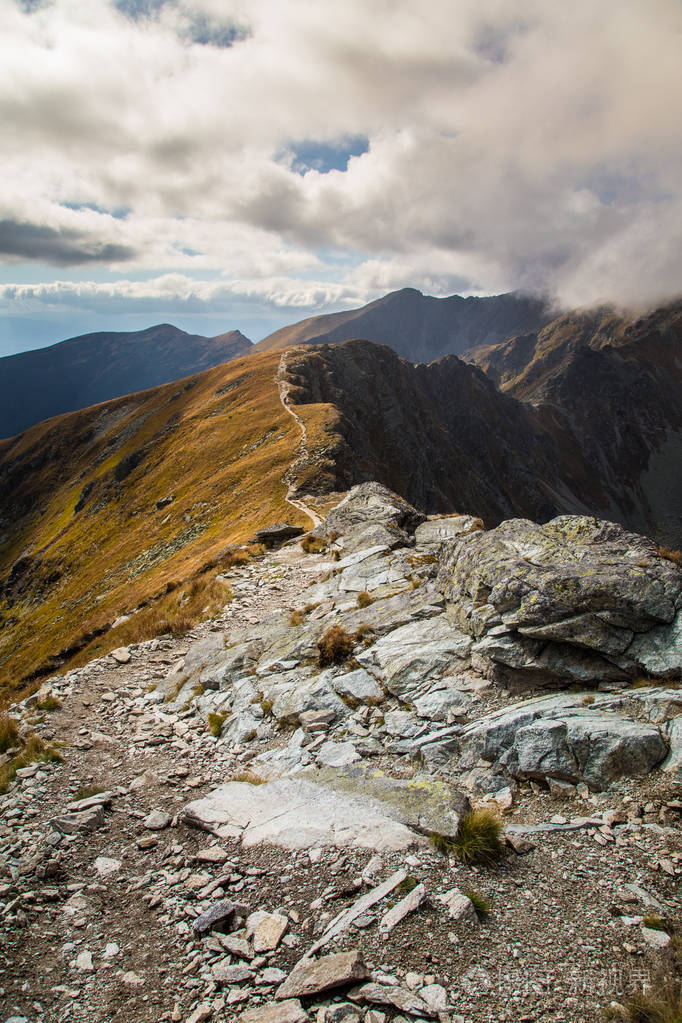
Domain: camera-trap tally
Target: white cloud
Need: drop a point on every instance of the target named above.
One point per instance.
(528, 145)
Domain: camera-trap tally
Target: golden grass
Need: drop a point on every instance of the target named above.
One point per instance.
(222, 455)
(9, 733)
(669, 555)
(215, 723)
(364, 599)
(313, 544)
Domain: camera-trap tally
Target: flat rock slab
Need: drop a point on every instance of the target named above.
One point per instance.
(424, 803)
(290, 1011)
(392, 995)
(311, 976)
(298, 814)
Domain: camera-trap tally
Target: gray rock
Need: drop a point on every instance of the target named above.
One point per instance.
(436, 530)
(290, 1011)
(410, 659)
(224, 973)
(561, 602)
(393, 995)
(371, 516)
(272, 536)
(218, 916)
(358, 687)
(312, 976)
(337, 754)
(157, 820)
(562, 737)
(266, 930)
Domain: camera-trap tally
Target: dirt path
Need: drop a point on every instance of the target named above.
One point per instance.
(303, 453)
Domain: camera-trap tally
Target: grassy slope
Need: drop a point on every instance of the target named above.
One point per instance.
(219, 442)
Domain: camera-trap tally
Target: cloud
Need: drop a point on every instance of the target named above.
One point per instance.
(486, 144)
(61, 247)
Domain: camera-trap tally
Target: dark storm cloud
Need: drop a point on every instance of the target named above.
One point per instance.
(62, 248)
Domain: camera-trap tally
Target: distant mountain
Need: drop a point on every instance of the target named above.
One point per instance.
(420, 328)
(84, 370)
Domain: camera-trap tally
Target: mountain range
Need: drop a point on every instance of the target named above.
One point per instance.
(102, 509)
(95, 367)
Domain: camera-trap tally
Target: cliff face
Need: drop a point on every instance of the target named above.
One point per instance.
(614, 384)
(441, 435)
(603, 436)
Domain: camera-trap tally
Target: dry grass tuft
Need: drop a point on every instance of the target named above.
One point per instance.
(49, 703)
(34, 751)
(335, 646)
(364, 599)
(674, 556)
(9, 733)
(297, 618)
(313, 544)
(478, 839)
(214, 723)
(85, 791)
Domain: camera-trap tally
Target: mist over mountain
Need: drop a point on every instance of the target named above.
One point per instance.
(84, 370)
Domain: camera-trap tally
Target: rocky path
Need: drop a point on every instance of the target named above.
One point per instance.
(302, 452)
(102, 899)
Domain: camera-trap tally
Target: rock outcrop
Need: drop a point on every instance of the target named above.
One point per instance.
(576, 600)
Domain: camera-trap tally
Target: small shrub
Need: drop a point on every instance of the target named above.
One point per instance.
(85, 791)
(674, 556)
(214, 723)
(480, 903)
(49, 703)
(659, 1002)
(478, 839)
(336, 556)
(335, 646)
(313, 544)
(364, 599)
(266, 706)
(588, 700)
(250, 736)
(257, 549)
(297, 618)
(364, 630)
(9, 733)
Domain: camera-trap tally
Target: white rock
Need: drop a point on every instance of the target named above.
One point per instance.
(121, 655)
(266, 929)
(298, 814)
(157, 820)
(105, 865)
(459, 906)
(84, 962)
(655, 938)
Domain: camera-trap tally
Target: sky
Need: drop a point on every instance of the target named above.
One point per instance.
(225, 164)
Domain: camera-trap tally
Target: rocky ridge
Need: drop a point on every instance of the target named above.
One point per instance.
(262, 848)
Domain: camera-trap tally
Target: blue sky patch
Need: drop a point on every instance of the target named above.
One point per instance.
(310, 154)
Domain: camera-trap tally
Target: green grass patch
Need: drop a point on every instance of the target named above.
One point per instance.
(49, 703)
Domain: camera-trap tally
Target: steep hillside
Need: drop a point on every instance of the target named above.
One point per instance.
(616, 384)
(418, 327)
(106, 508)
(441, 435)
(95, 367)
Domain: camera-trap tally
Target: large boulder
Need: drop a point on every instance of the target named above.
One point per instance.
(570, 737)
(575, 600)
(370, 515)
